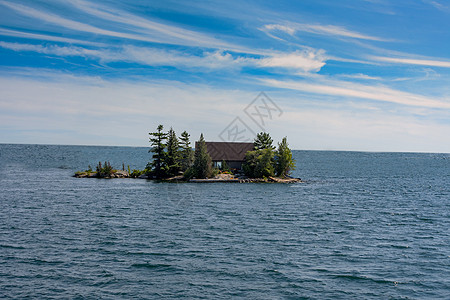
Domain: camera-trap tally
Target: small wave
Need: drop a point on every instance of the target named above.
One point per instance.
(11, 246)
(140, 253)
(362, 278)
(152, 266)
(64, 167)
(400, 246)
(37, 261)
(385, 245)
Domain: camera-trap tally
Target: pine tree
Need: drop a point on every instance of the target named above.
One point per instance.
(284, 161)
(263, 141)
(202, 167)
(187, 154)
(173, 155)
(158, 165)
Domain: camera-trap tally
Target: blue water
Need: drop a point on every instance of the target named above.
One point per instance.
(362, 226)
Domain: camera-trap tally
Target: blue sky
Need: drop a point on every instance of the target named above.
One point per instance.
(367, 75)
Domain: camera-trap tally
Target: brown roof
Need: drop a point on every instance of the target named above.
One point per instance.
(228, 151)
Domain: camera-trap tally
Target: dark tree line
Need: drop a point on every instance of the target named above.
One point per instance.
(173, 156)
(265, 161)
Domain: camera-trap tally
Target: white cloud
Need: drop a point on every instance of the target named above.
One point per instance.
(140, 29)
(284, 28)
(360, 76)
(306, 61)
(154, 32)
(354, 90)
(159, 57)
(438, 5)
(52, 49)
(147, 27)
(412, 61)
(35, 36)
(328, 30)
(67, 23)
(299, 61)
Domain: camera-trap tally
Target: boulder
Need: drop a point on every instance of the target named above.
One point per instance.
(121, 174)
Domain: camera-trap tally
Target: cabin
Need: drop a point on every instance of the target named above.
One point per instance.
(232, 153)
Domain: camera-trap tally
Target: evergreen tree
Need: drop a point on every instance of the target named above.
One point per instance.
(263, 141)
(187, 154)
(283, 158)
(158, 166)
(202, 167)
(259, 163)
(173, 155)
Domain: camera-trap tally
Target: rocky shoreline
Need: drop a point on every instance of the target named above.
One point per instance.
(226, 178)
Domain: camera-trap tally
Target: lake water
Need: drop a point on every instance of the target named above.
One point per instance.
(362, 226)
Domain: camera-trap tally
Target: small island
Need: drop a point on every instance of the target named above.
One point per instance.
(174, 160)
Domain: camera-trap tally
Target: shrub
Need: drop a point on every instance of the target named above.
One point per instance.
(136, 173)
(104, 171)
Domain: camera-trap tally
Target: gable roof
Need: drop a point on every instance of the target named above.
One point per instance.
(228, 151)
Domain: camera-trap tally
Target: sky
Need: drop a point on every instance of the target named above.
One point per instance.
(360, 75)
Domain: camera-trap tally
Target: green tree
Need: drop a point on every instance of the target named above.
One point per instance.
(187, 154)
(284, 163)
(104, 171)
(259, 163)
(202, 167)
(263, 141)
(158, 166)
(173, 155)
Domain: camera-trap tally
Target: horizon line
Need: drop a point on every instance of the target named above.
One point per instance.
(316, 150)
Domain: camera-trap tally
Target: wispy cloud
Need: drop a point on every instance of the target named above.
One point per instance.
(150, 31)
(52, 49)
(354, 90)
(360, 76)
(412, 61)
(44, 37)
(64, 22)
(328, 30)
(298, 62)
(284, 28)
(438, 5)
(175, 34)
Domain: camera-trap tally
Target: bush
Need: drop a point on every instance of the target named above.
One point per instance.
(225, 168)
(104, 171)
(136, 173)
